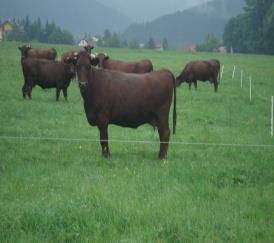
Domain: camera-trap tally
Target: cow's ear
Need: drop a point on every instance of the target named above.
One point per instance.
(94, 61)
(106, 57)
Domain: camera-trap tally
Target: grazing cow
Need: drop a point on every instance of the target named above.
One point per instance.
(27, 51)
(71, 54)
(126, 99)
(46, 74)
(142, 66)
(200, 70)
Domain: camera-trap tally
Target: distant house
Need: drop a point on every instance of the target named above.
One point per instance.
(4, 28)
(222, 49)
(192, 48)
(159, 47)
(83, 42)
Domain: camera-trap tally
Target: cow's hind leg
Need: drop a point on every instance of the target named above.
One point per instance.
(164, 133)
(24, 90)
(29, 89)
(104, 139)
(58, 90)
(65, 93)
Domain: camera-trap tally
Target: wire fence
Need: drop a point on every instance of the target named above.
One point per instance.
(125, 141)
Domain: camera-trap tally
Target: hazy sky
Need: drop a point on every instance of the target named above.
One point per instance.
(145, 10)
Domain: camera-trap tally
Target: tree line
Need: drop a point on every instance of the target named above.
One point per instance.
(26, 30)
(252, 31)
(113, 40)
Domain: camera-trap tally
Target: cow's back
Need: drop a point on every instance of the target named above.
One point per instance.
(49, 54)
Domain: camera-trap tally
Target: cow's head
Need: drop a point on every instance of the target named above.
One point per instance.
(24, 50)
(181, 78)
(82, 62)
(101, 58)
(88, 48)
(71, 61)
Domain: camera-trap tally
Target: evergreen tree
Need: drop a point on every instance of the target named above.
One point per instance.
(134, 44)
(151, 44)
(252, 31)
(211, 43)
(165, 44)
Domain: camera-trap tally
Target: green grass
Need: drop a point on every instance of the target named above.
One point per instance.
(56, 191)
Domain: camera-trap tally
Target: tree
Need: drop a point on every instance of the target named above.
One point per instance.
(252, 31)
(26, 30)
(151, 44)
(134, 44)
(165, 44)
(115, 41)
(211, 43)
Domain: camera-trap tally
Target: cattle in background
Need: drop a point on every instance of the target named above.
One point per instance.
(141, 66)
(126, 99)
(46, 74)
(70, 54)
(27, 51)
(200, 70)
(217, 66)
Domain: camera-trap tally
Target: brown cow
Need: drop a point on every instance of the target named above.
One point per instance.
(70, 54)
(200, 70)
(142, 66)
(27, 51)
(46, 74)
(126, 99)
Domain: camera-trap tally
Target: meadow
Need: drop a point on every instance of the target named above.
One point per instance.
(217, 184)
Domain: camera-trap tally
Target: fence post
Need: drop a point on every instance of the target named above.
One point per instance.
(242, 79)
(272, 115)
(250, 88)
(222, 71)
(233, 74)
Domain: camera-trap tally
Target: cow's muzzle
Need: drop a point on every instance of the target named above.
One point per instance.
(83, 84)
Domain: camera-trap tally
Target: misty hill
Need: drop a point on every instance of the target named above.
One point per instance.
(79, 17)
(187, 27)
(143, 10)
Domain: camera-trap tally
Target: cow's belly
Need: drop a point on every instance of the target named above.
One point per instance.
(128, 122)
(46, 84)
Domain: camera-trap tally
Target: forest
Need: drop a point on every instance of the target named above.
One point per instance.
(252, 31)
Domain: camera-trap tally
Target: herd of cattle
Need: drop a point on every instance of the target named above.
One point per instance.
(124, 93)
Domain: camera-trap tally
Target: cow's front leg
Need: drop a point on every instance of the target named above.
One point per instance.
(195, 84)
(215, 85)
(189, 85)
(164, 133)
(65, 93)
(104, 140)
(29, 91)
(58, 90)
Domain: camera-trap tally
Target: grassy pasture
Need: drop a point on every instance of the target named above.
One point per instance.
(56, 191)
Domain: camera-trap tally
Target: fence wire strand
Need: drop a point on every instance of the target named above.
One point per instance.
(125, 141)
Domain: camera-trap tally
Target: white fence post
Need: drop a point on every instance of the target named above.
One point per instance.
(234, 69)
(250, 88)
(222, 71)
(242, 79)
(272, 115)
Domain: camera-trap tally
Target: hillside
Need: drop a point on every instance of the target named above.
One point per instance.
(186, 27)
(88, 16)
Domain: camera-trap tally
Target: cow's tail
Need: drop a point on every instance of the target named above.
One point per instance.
(219, 76)
(174, 104)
